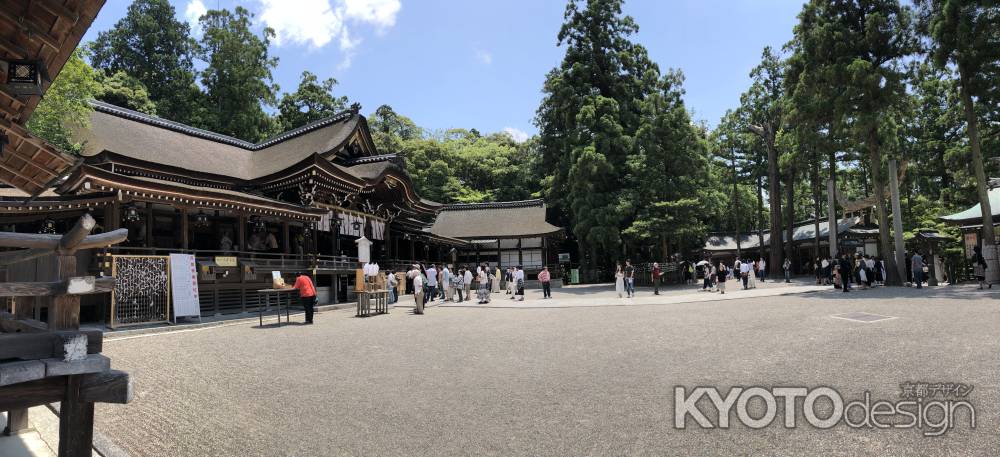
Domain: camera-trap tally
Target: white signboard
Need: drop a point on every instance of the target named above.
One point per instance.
(184, 285)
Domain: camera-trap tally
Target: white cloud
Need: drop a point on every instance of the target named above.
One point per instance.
(519, 136)
(381, 13)
(484, 56)
(194, 10)
(318, 22)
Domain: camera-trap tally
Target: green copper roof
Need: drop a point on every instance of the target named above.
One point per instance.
(974, 212)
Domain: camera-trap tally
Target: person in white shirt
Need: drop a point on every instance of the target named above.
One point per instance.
(752, 276)
(467, 283)
(519, 280)
(825, 264)
(762, 270)
(432, 282)
(745, 273)
(418, 292)
(446, 285)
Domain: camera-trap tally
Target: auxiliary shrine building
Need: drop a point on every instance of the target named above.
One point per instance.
(293, 203)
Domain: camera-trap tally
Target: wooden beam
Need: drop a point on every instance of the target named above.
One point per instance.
(112, 386)
(19, 174)
(32, 30)
(82, 285)
(51, 242)
(33, 346)
(12, 324)
(71, 239)
(12, 49)
(12, 257)
(58, 10)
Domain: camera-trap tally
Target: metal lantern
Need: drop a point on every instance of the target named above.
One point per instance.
(48, 226)
(201, 219)
(131, 213)
(356, 225)
(257, 224)
(23, 77)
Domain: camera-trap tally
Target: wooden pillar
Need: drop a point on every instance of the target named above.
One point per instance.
(112, 216)
(241, 233)
(336, 289)
(520, 254)
(285, 242)
(64, 311)
(500, 255)
(17, 422)
(76, 422)
(149, 226)
(185, 229)
(413, 254)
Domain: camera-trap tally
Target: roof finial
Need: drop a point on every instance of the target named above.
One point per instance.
(355, 107)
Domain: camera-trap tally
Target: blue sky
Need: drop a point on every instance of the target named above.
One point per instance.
(480, 64)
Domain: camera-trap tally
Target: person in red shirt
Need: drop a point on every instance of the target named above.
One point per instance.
(546, 279)
(307, 295)
(655, 276)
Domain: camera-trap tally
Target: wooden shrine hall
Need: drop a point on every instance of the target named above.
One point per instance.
(293, 203)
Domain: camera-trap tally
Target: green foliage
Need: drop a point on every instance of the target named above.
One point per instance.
(608, 118)
(312, 101)
(237, 81)
(150, 45)
(120, 89)
(65, 107)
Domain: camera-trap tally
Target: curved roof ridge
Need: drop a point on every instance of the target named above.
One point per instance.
(494, 205)
(137, 116)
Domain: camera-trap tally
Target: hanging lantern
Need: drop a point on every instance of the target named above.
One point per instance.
(257, 224)
(131, 213)
(356, 225)
(48, 226)
(201, 219)
(308, 228)
(22, 77)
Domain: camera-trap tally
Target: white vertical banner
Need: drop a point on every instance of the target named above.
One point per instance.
(184, 285)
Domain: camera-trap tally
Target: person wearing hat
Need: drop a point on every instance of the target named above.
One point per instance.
(655, 276)
(546, 279)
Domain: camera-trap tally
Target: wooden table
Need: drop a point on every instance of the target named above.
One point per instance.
(266, 294)
(379, 299)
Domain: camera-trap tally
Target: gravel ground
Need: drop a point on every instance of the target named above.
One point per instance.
(552, 382)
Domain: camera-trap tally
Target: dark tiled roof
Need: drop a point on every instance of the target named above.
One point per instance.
(149, 138)
(800, 233)
(493, 220)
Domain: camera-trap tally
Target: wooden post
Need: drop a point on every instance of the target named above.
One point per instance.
(76, 422)
(17, 421)
(149, 226)
(185, 229)
(241, 233)
(285, 242)
(520, 254)
(897, 224)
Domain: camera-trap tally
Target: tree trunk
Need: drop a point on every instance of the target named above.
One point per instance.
(760, 216)
(878, 182)
(832, 202)
(817, 211)
(774, 199)
(988, 238)
(736, 209)
(790, 231)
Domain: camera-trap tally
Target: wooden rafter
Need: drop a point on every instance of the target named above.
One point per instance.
(58, 10)
(33, 31)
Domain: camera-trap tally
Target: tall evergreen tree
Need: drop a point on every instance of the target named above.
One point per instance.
(854, 49)
(764, 106)
(152, 46)
(963, 33)
(588, 118)
(238, 81)
(312, 101)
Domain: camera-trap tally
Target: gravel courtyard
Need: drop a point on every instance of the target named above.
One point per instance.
(552, 381)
